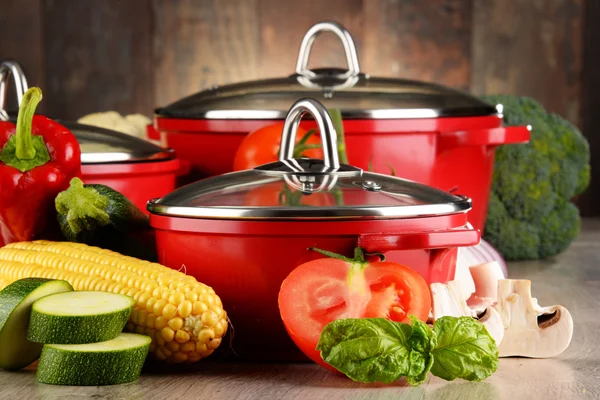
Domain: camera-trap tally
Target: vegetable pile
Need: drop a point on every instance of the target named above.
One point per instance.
(530, 214)
(41, 318)
(184, 318)
(371, 320)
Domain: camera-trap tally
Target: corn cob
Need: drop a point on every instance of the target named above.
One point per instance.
(184, 317)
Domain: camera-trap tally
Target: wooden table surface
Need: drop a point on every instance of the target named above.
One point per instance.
(572, 279)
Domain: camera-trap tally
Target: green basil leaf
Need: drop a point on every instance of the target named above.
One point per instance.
(420, 364)
(464, 350)
(422, 338)
(422, 341)
(367, 349)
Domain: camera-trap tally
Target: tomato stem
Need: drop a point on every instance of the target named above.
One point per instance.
(332, 254)
(359, 255)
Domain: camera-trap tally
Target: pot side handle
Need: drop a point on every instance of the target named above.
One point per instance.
(380, 243)
(484, 137)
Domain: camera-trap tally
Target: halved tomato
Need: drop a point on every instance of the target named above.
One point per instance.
(262, 146)
(326, 289)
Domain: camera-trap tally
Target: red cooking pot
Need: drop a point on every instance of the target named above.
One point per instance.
(425, 132)
(138, 169)
(243, 232)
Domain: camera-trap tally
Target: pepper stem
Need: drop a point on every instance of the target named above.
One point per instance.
(25, 149)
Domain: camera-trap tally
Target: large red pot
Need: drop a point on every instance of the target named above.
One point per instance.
(425, 132)
(138, 169)
(242, 233)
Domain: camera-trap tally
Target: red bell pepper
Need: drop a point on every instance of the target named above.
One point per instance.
(38, 159)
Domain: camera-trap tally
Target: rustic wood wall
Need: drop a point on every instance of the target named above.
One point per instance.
(133, 55)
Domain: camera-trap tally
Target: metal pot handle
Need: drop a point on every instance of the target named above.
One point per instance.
(342, 34)
(13, 68)
(328, 135)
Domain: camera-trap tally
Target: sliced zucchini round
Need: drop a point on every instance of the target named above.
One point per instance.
(15, 308)
(119, 360)
(79, 317)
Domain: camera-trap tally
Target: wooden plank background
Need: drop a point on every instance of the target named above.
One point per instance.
(134, 55)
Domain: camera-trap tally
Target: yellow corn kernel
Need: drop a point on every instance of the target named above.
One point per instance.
(213, 344)
(173, 346)
(191, 296)
(160, 322)
(188, 347)
(182, 336)
(200, 289)
(159, 340)
(150, 304)
(185, 309)
(158, 306)
(166, 293)
(167, 333)
(209, 318)
(194, 357)
(176, 298)
(141, 320)
(175, 323)
(207, 299)
(201, 347)
(206, 335)
(160, 354)
(143, 299)
(134, 315)
(151, 321)
(220, 328)
(199, 308)
(169, 311)
(139, 329)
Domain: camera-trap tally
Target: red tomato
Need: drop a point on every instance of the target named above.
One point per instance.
(323, 290)
(273, 194)
(262, 146)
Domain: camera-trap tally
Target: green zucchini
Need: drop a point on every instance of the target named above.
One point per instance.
(106, 363)
(98, 215)
(15, 308)
(79, 317)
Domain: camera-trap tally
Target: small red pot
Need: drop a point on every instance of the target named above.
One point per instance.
(242, 233)
(425, 132)
(138, 169)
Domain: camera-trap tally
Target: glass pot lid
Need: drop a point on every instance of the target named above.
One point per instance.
(305, 188)
(357, 95)
(98, 145)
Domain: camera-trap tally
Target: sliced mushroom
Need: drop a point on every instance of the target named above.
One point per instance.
(493, 323)
(448, 300)
(486, 277)
(526, 333)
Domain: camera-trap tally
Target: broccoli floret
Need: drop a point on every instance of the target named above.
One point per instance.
(529, 212)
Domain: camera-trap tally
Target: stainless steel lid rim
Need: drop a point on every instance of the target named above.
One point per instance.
(309, 214)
